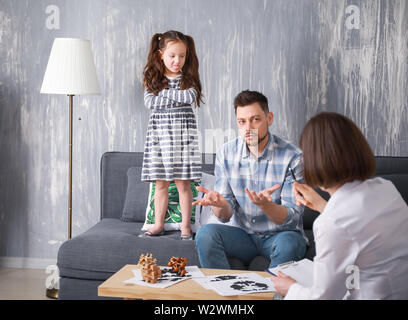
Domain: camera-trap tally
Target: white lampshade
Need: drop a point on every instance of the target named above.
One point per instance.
(71, 68)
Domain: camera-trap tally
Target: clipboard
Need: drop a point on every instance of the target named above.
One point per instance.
(301, 271)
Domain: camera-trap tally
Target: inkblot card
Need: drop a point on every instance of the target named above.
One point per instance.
(234, 284)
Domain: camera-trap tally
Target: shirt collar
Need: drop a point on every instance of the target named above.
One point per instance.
(268, 148)
(174, 78)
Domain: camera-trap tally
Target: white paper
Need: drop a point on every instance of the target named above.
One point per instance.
(301, 271)
(236, 283)
(239, 284)
(231, 276)
(205, 282)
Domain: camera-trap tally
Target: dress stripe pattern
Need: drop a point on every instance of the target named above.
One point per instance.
(171, 149)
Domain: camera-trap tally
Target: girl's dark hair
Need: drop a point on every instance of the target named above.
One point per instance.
(154, 72)
(335, 151)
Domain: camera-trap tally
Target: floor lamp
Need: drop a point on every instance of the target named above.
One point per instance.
(70, 71)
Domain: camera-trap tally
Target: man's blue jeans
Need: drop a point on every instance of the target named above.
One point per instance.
(215, 242)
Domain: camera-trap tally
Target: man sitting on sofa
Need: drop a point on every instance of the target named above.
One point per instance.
(254, 188)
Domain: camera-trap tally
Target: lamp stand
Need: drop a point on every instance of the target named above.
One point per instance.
(71, 98)
(53, 293)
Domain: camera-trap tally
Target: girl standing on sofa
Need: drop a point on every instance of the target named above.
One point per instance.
(172, 84)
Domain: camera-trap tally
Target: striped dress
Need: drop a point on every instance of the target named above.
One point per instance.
(171, 148)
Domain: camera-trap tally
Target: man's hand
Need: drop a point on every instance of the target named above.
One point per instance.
(282, 283)
(211, 198)
(262, 198)
(220, 205)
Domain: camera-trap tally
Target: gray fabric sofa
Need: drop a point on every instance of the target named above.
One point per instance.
(88, 259)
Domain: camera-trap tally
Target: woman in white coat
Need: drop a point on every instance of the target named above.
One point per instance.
(361, 235)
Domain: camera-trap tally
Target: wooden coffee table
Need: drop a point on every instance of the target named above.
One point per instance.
(184, 290)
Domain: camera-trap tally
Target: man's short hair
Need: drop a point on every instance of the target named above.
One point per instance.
(335, 151)
(248, 97)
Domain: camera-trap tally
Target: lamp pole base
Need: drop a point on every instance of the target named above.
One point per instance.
(52, 293)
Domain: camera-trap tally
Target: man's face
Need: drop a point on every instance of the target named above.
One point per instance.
(253, 123)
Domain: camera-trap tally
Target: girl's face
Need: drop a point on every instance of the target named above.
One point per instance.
(174, 57)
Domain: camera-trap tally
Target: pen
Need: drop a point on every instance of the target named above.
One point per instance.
(294, 178)
(282, 266)
(293, 175)
(267, 270)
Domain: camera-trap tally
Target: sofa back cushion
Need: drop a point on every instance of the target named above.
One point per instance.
(114, 182)
(114, 167)
(137, 194)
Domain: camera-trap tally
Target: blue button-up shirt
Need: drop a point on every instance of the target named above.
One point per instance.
(236, 169)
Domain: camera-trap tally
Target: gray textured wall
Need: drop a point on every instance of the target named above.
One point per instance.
(346, 56)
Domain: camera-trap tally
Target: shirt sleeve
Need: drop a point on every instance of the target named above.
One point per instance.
(222, 185)
(168, 98)
(288, 198)
(188, 96)
(335, 251)
(156, 102)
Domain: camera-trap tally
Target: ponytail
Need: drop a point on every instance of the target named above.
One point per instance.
(190, 69)
(154, 69)
(155, 42)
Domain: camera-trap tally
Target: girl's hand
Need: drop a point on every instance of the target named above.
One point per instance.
(263, 197)
(308, 197)
(211, 198)
(282, 283)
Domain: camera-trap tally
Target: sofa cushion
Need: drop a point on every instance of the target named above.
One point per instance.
(136, 196)
(111, 244)
(78, 289)
(172, 219)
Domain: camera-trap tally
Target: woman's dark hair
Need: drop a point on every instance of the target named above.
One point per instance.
(154, 72)
(335, 151)
(247, 97)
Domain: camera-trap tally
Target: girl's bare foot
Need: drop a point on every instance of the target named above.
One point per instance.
(185, 231)
(156, 230)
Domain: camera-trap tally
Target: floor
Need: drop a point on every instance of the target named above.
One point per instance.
(22, 284)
